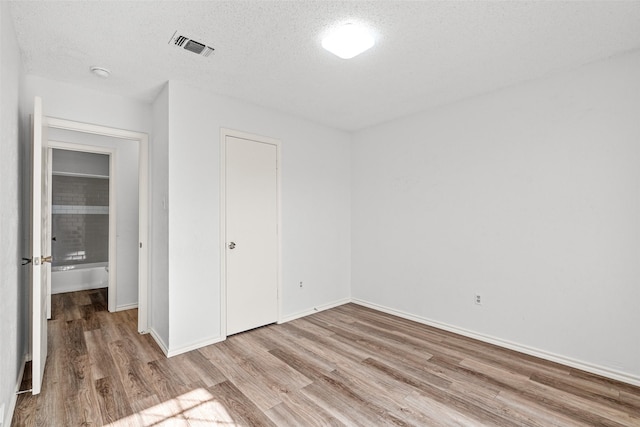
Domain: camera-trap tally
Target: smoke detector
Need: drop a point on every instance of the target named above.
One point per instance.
(100, 72)
(187, 43)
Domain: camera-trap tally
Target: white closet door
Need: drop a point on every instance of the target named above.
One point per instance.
(251, 231)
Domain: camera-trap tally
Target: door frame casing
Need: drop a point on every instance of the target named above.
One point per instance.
(143, 201)
(224, 132)
(113, 197)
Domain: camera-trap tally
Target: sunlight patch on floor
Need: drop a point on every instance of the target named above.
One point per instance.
(195, 408)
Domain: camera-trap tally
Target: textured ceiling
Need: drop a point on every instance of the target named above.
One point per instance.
(269, 52)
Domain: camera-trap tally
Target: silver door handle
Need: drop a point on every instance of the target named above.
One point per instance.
(232, 245)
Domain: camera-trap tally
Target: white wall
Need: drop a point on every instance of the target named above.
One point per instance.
(528, 196)
(79, 162)
(67, 101)
(126, 181)
(13, 306)
(315, 210)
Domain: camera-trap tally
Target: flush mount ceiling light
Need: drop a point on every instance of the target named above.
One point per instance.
(348, 41)
(100, 72)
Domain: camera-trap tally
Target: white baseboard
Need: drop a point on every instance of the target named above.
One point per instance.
(170, 352)
(62, 289)
(193, 346)
(124, 307)
(14, 399)
(578, 364)
(313, 310)
(158, 340)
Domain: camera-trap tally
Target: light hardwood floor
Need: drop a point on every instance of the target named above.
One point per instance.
(345, 366)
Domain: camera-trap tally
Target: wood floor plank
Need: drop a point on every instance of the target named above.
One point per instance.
(409, 335)
(255, 342)
(347, 366)
(206, 371)
(306, 413)
(287, 343)
(109, 326)
(26, 410)
(342, 409)
(133, 374)
(426, 335)
(145, 410)
(282, 415)
(326, 346)
(543, 414)
(555, 400)
(439, 394)
(303, 366)
(579, 389)
(437, 413)
(137, 346)
(100, 360)
(386, 409)
(81, 299)
(76, 381)
(89, 414)
(112, 401)
(50, 400)
(91, 321)
(241, 409)
(244, 374)
(166, 379)
(98, 299)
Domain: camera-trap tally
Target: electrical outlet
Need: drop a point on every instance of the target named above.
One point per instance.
(478, 299)
(301, 283)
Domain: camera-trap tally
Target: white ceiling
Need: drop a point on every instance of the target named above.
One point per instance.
(269, 52)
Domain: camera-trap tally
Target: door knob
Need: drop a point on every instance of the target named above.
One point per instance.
(44, 259)
(232, 245)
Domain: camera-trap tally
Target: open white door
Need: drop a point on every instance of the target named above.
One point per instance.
(41, 246)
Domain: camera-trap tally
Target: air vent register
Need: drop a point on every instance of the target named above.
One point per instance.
(187, 43)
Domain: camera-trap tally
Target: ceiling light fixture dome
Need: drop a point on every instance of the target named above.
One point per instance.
(348, 40)
(100, 72)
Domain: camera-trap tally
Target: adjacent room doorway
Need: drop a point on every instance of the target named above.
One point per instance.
(83, 219)
(40, 227)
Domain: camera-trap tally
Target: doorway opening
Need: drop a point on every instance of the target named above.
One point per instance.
(40, 198)
(83, 220)
(127, 208)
